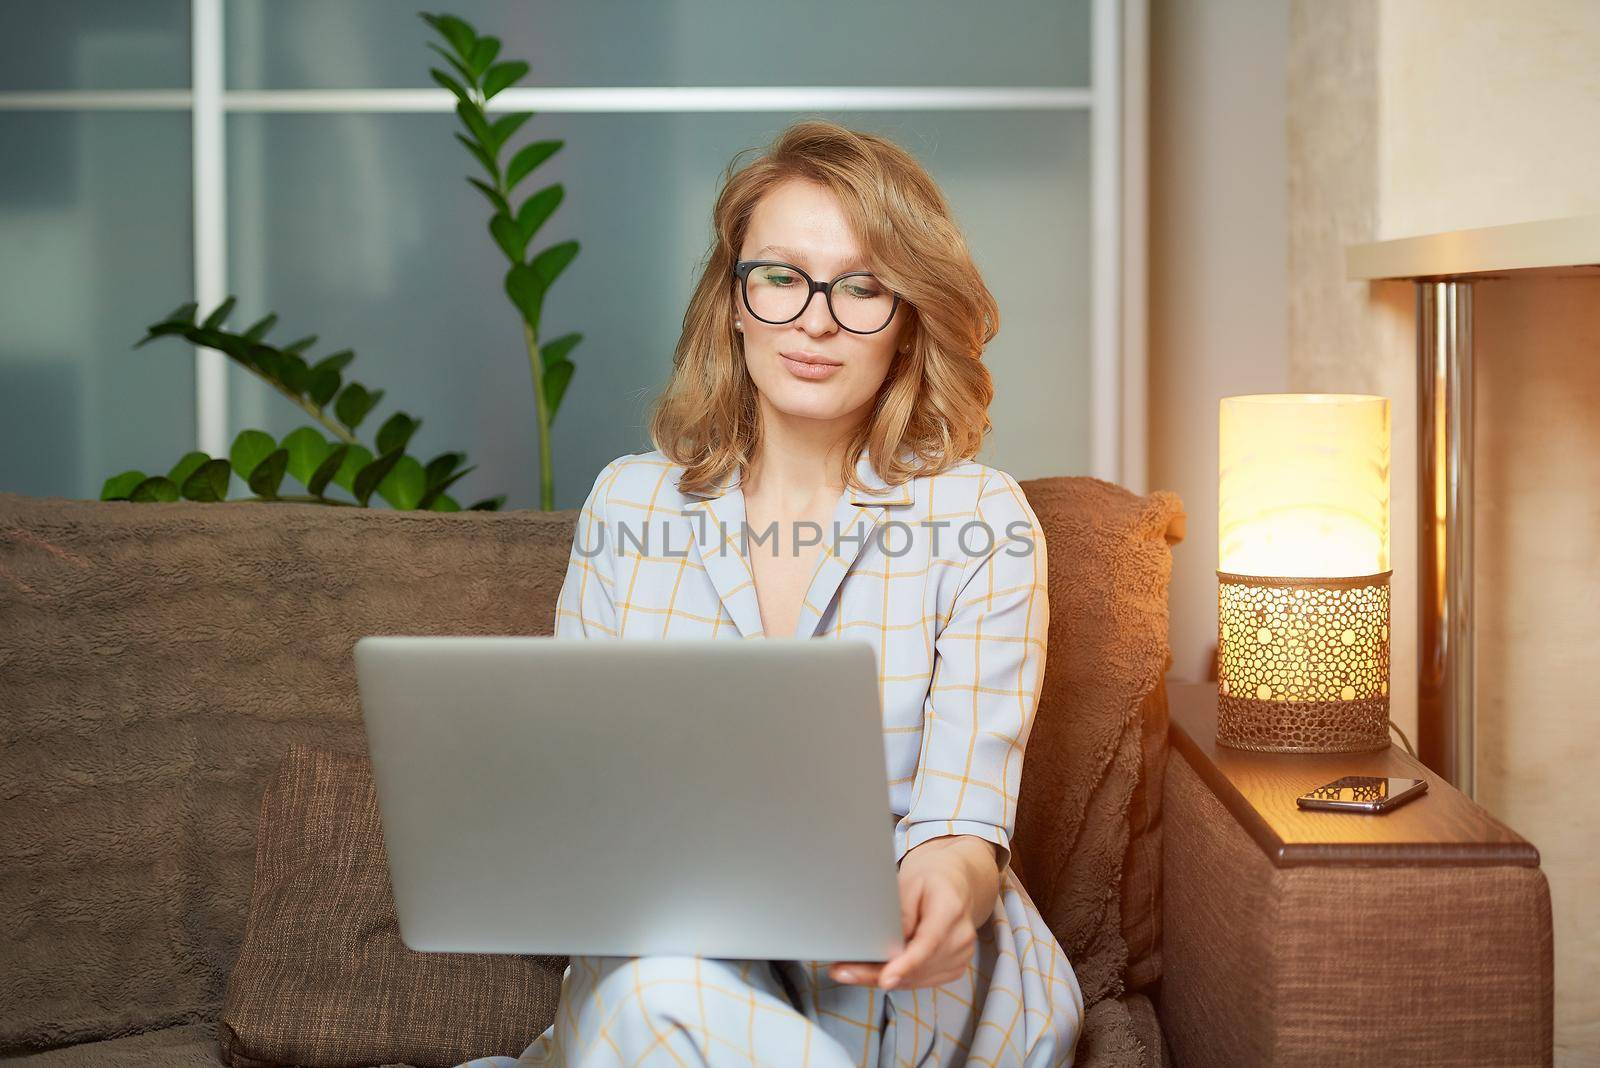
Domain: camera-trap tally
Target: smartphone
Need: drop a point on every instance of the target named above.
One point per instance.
(1363, 793)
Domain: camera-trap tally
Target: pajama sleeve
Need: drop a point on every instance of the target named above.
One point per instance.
(988, 668)
(585, 607)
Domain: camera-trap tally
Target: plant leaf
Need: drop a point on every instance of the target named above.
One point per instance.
(444, 503)
(483, 53)
(489, 504)
(461, 67)
(556, 377)
(537, 208)
(460, 34)
(307, 448)
(249, 449)
(501, 75)
(354, 403)
(358, 457)
(396, 432)
(220, 315)
(502, 128)
(294, 373)
(441, 465)
(489, 191)
(268, 475)
(234, 345)
(161, 330)
(472, 117)
(295, 347)
(451, 84)
(508, 236)
(265, 360)
(433, 492)
(155, 488)
(188, 465)
(120, 487)
(207, 337)
(259, 330)
(209, 482)
(526, 292)
(338, 361)
(403, 486)
(553, 260)
(481, 154)
(329, 467)
(555, 350)
(368, 477)
(183, 313)
(527, 158)
(323, 385)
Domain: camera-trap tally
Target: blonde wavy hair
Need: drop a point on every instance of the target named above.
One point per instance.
(932, 410)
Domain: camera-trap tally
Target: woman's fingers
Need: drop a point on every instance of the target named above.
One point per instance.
(947, 963)
(937, 914)
(939, 940)
(911, 894)
(862, 972)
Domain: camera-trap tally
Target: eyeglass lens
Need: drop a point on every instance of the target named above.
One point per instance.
(776, 294)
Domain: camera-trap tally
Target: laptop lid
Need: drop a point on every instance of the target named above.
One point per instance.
(681, 796)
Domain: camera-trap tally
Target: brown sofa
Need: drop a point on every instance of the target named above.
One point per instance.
(157, 660)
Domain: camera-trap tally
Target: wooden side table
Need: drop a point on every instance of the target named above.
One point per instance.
(1443, 826)
(1421, 936)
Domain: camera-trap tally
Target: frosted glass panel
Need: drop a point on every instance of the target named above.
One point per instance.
(95, 241)
(94, 44)
(363, 44)
(360, 229)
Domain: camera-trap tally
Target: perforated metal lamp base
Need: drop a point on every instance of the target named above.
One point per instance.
(1303, 663)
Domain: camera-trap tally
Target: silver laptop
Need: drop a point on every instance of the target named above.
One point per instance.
(623, 798)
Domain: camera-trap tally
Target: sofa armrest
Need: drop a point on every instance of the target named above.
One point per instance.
(1289, 939)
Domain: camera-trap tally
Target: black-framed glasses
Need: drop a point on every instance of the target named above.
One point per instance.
(777, 292)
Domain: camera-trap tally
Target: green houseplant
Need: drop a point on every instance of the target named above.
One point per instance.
(476, 79)
(305, 454)
(385, 471)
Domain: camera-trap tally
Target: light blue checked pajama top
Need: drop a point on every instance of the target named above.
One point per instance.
(945, 575)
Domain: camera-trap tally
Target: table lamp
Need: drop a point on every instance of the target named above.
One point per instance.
(1303, 573)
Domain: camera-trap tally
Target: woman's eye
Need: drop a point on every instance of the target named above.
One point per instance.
(861, 291)
(777, 279)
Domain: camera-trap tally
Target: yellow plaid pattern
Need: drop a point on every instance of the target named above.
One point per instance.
(945, 576)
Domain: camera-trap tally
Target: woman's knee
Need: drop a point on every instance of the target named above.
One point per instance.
(649, 998)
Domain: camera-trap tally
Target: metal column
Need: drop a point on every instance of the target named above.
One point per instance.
(1444, 530)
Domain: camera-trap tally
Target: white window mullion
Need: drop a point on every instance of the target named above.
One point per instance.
(210, 220)
(681, 99)
(96, 100)
(1105, 275)
(1133, 355)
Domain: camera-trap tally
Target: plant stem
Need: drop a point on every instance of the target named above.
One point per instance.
(312, 410)
(547, 482)
(547, 488)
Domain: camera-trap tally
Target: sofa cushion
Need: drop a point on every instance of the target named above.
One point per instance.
(1087, 843)
(323, 978)
(157, 661)
(184, 1046)
(1121, 1033)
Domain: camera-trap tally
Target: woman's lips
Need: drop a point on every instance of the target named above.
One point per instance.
(810, 368)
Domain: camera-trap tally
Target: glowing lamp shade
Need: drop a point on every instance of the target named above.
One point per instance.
(1303, 572)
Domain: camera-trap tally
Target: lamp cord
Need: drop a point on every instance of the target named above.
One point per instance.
(1403, 738)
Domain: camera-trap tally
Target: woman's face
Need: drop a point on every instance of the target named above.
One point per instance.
(811, 367)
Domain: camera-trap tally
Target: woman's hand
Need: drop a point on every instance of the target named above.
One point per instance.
(948, 887)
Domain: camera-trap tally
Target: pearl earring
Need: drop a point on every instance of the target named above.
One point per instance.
(737, 325)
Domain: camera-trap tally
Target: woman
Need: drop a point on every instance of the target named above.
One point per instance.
(826, 392)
